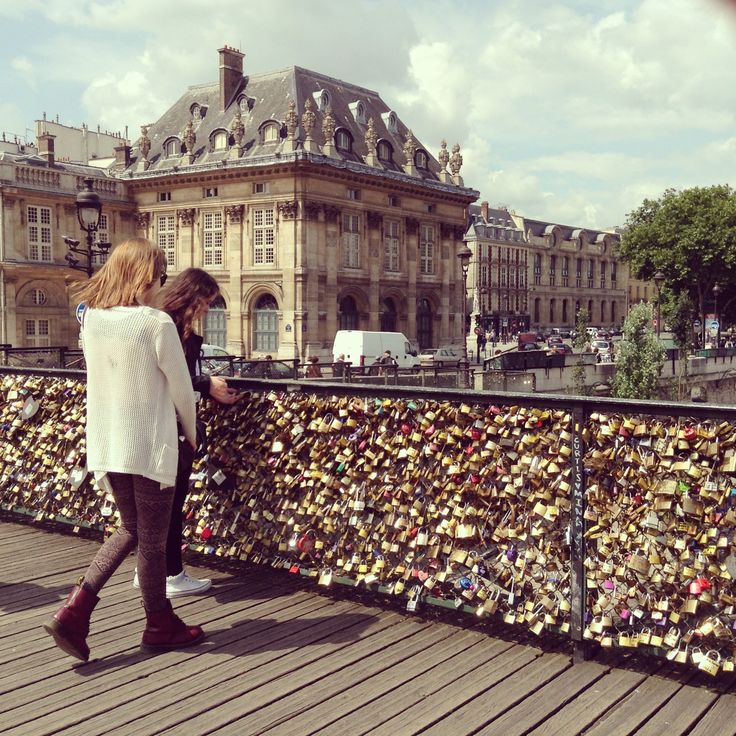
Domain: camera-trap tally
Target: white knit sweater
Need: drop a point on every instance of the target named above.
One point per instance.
(137, 382)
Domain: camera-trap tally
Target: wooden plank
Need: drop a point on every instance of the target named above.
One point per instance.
(629, 714)
(720, 719)
(484, 707)
(452, 696)
(546, 700)
(592, 703)
(142, 693)
(418, 689)
(680, 713)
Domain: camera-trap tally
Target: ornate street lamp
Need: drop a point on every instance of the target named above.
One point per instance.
(659, 279)
(89, 210)
(465, 254)
(716, 292)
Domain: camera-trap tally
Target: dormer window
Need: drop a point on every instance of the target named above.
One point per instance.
(390, 121)
(420, 158)
(357, 108)
(385, 151)
(245, 103)
(172, 147)
(321, 99)
(196, 112)
(343, 140)
(270, 132)
(219, 140)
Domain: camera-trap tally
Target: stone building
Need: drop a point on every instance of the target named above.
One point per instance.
(529, 274)
(37, 195)
(312, 204)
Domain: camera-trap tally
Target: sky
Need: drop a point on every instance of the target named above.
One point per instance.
(571, 111)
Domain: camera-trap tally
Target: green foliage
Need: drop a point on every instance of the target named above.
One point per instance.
(690, 236)
(679, 312)
(640, 356)
(582, 321)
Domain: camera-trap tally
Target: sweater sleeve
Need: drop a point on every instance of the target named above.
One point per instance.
(174, 366)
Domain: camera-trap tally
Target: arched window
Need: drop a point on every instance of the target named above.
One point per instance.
(537, 304)
(219, 140)
(603, 312)
(564, 311)
(590, 309)
(385, 151)
(425, 320)
(266, 325)
(38, 297)
(552, 306)
(388, 316)
(173, 147)
(348, 314)
(613, 313)
(343, 140)
(215, 324)
(270, 133)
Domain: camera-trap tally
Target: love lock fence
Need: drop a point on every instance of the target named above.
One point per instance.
(607, 521)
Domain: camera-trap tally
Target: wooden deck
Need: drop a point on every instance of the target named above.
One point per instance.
(283, 658)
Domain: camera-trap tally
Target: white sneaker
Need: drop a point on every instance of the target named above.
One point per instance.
(182, 584)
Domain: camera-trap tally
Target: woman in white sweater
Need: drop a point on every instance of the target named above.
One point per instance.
(137, 384)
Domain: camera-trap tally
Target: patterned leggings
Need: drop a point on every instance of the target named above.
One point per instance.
(144, 509)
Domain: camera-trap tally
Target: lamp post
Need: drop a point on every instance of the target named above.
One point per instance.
(89, 209)
(465, 255)
(659, 279)
(716, 292)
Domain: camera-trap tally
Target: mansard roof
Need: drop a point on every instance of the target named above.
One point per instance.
(264, 98)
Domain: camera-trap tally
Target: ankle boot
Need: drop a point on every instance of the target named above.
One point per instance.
(165, 631)
(70, 624)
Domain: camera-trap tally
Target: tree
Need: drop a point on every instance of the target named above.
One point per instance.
(679, 312)
(690, 236)
(582, 320)
(640, 356)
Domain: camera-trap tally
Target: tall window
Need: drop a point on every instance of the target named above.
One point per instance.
(603, 274)
(613, 274)
(266, 333)
(425, 318)
(102, 237)
(552, 269)
(579, 272)
(166, 237)
(351, 241)
(212, 238)
(37, 333)
(348, 314)
(391, 245)
(591, 272)
(39, 233)
(215, 324)
(426, 249)
(263, 237)
(565, 269)
(537, 269)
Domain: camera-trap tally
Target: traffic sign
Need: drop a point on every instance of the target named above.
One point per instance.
(80, 311)
(696, 324)
(713, 324)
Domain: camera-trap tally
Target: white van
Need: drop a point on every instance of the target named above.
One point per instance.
(362, 348)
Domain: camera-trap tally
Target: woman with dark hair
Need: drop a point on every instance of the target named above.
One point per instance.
(137, 384)
(187, 300)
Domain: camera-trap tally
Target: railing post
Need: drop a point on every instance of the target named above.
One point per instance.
(577, 538)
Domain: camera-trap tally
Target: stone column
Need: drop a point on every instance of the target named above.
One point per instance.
(235, 215)
(290, 341)
(185, 225)
(373, 232)
(329, 256)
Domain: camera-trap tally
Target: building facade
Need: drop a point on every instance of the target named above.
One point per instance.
(531, 274)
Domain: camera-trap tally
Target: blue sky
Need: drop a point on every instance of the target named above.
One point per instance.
(566, 110)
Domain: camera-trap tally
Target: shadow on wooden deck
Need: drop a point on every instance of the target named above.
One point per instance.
(284, 657)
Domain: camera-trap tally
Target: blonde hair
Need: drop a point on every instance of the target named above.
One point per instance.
(131, 269)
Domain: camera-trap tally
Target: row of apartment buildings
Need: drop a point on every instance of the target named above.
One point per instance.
(315, 208)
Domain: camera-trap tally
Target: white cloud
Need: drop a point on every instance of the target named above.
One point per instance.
(24, 67)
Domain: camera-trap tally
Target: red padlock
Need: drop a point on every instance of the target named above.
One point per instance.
(405, 428)
(475, 433)
(205, 534)
(690, 434)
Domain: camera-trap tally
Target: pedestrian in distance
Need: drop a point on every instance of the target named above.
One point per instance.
(313, 369)
(187, 300)
(137, 383)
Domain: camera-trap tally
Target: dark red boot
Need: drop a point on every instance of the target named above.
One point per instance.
(165, 631)
(70, 624)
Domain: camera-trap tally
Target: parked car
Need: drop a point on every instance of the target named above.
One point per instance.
(564, 348)
(554, 340)
(525, 347)
(444, 357)
(215, 360)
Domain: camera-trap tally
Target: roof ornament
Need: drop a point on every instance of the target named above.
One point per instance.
(410, 148)
(190, 138)
(444, 158)
(456, 161)
(144, 146)
(371, 139)
(292, 123)
(308, 120)
(328, 131)
(237, 130)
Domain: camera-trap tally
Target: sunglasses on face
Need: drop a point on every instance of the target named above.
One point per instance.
(163, 278)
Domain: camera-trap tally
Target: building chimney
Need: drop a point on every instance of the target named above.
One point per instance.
(122, 157)
(484, 211)
(46, 147)
(231, 74)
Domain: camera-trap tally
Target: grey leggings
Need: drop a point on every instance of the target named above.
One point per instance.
(144, 509)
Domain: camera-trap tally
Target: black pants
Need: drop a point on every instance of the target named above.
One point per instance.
(174, 563)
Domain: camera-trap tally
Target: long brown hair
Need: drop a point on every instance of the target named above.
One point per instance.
(130, 270)
(182, 301)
